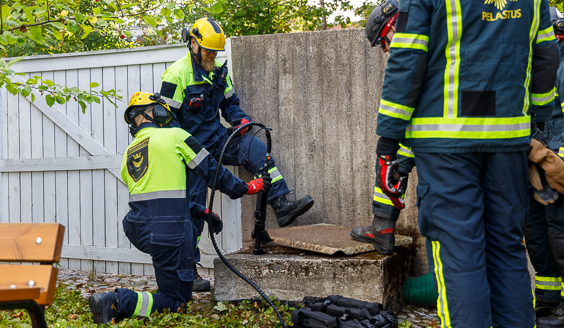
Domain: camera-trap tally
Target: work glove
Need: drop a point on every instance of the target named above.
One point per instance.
(262, 183)
(387, 176)
(245, 130)
(215, 225)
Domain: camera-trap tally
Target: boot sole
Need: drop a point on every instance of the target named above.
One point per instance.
(292, 216)
(97, 308)
(379, 248)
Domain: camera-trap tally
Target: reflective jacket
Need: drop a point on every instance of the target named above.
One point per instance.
(555, 137)
(185, 80)
(459, 76)
(154, 170)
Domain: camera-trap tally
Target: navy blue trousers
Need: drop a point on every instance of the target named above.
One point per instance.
(169, 242)
(472, 208)
(543, 227)
(241, 152)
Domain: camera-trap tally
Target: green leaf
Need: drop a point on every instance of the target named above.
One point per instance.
(29, 15)
(5, 12)
(119, 21)
(82, 105)
(178, 13)
(220, 307)
(32, 97)
(60, 99)
(79, 17)
(58, 25)
(72, 26)
(108, 1)
(13, 61)
(128, 6)
(96, 11)
(86, 29)
(37, 33)
(166, 12)
(50, 100)
(94, 85)
(57, 35)
(150, 21)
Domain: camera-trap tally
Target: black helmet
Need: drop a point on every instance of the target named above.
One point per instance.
(557, 22)
(380, 21)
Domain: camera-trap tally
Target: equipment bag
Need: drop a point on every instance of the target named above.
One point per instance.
(306, 318)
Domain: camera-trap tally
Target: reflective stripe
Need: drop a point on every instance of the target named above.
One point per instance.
(144, 305)
(230, 93)
(532, 34)
(540, 99)
(561, 152)
(548, 283)
(405, 151)
(545, 35)
(380, 197)
(411, 41)
(172, 103)
(395, 110)
(442, 304)
(562, 290)
(275, 175)
(562, 106)
(198, 159)
(469, 128)
(452, 53)
(157, 195)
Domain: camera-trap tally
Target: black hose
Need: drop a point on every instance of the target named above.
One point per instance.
(216, 178)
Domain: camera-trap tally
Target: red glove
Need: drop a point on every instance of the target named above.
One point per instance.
(256, 185)
(215, 225)
(389, 181)
(243, 121)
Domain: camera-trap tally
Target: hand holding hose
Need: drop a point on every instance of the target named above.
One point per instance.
(262, 183)
(215, 225)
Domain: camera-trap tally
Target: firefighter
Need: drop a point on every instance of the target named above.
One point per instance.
(458, 89)
(544, 228)
(380, 31)
(197, 88)
(160, 220)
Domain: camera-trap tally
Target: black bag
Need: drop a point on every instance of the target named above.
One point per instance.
(347, 312)
(306, 318)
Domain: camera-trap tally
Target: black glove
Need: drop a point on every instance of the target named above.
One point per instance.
(215, 225)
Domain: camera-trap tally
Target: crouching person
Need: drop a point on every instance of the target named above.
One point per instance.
(159, 221)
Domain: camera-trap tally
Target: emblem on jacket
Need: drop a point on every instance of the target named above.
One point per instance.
(504, 14)
(138, 160)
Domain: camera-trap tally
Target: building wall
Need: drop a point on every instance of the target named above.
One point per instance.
(320, 92)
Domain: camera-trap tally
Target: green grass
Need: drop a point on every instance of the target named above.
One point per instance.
(70, 309)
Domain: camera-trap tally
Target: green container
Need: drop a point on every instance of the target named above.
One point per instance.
(420, 291)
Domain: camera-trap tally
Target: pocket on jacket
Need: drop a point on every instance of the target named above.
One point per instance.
(166, 250)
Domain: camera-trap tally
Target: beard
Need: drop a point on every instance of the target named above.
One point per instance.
(208, 64)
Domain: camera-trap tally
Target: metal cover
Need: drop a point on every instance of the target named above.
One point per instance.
(326, 239)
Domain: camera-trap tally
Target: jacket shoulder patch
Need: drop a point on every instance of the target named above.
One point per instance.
(138, 160)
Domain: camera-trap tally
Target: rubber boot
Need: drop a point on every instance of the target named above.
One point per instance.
(380, 233)
(200, 284)
(555, 319)
(103, 307)
(287, 211)
(544, 309)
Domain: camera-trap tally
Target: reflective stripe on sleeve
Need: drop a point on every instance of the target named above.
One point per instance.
(198, 159)
(230, 93)
(540, 99)
(172, 103)
(411, 41)
(157, 195)
(395, 110)
(561, 152)
(548, 283)
(545, 35)
(405, 151)
(380, 197)
(144, 305)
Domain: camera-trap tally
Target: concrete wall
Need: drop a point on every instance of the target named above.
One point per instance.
(319, 92)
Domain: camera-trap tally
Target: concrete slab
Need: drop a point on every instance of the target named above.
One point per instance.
(290, 277)
(325, 238)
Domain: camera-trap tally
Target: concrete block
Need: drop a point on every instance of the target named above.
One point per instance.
(369, 277)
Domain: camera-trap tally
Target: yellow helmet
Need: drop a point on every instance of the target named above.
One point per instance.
(139, 103)
(208, 34)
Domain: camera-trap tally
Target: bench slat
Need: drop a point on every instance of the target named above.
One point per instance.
(18, 242)
(44, 276)
(8, 294)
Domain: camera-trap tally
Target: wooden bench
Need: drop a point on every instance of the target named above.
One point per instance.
(29, 287)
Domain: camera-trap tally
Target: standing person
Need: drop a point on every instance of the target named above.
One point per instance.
(380, 30)
(544, 228)
(197, 87)
(458, 89)
(159, 221)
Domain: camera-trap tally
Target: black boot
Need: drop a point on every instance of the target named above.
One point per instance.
(544, 308)
(555, 319)
(103, 307)
(200, 284)
(380, 233)
(287, 211)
